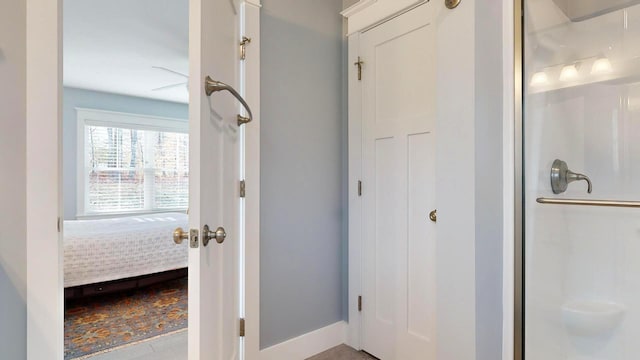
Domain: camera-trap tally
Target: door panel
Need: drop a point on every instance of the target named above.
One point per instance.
(214, 176)
(399, 292)
(421, 238)
(385, 161)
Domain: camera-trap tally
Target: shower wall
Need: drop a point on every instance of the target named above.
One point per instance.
(582, 105)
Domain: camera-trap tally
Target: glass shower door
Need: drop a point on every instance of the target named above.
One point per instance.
(581, 127)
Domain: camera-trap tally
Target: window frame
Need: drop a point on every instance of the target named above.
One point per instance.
(93, 117)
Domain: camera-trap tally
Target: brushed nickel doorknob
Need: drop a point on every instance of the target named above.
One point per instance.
(433, 216)
(179, 235)
(219, 235)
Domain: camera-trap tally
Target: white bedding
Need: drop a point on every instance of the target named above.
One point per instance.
(111, 249)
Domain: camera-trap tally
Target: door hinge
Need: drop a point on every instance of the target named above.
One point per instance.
(243, 47)
(359, 187)
(241, 327)
(59, 224)
(360, 303)
(359, 64)
(243, 188)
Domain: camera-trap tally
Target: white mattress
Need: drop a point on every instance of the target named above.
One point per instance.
(111, 249)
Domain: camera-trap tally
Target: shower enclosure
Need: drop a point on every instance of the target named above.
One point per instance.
(581, 132)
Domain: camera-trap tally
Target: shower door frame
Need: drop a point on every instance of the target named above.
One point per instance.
(518, 195)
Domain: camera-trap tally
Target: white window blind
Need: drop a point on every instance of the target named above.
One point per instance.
(133, 167)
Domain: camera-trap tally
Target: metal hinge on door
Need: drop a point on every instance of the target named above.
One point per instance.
(241, 327)
(359, 64)
(359, 187)
(243, 188)
(360, 303)
(243, 47)
(59, 225)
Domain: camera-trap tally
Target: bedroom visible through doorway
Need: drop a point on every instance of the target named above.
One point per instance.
(125, 177)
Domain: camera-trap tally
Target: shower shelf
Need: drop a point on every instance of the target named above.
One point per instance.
(591, 318)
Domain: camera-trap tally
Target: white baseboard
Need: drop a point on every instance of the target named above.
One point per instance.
(307, 345)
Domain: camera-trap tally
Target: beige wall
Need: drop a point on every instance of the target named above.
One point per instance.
(13, 322)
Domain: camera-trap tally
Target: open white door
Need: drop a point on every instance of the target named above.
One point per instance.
(214, 178)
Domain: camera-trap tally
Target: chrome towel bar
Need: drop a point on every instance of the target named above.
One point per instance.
(580, 202)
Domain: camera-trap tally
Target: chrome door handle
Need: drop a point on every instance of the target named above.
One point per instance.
(219, 235)
(179, 235)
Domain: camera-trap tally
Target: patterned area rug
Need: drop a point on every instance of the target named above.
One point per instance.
(100, 323)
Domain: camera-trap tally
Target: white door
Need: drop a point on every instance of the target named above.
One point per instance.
(214, 186)
(399, 98)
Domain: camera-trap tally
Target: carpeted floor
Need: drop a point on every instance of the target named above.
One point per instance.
(97, 324)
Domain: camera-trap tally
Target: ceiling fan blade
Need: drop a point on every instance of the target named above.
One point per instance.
(170, 86)
(171, 71)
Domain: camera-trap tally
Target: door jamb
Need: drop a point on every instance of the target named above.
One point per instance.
(251, 85)
(44, 300)
(354, 328)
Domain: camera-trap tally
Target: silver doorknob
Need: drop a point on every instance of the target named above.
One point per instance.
(433, 216)
(219, 235)
(179, 235)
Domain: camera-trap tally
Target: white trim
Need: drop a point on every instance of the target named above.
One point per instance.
(133, 121)
(255, 3)
(357, 7)
(367, 13)
(355, 201)
(45, 304)
(307, 345)
(252, 177)
(508, 196)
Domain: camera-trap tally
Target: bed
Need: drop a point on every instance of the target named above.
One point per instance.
(113, 254)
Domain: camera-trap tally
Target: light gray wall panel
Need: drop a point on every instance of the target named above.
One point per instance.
(302, 152)
(13, 250)
(78, 98)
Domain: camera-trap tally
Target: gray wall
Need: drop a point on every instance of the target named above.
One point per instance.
(78, 98)
(488, 158)
(13, 251)
(302, 154)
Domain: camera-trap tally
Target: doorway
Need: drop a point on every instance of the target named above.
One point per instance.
(125, 147)
(398, 301)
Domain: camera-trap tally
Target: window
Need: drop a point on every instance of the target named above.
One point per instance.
(131, 163)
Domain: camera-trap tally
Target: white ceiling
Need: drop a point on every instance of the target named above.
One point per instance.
(112, 46)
